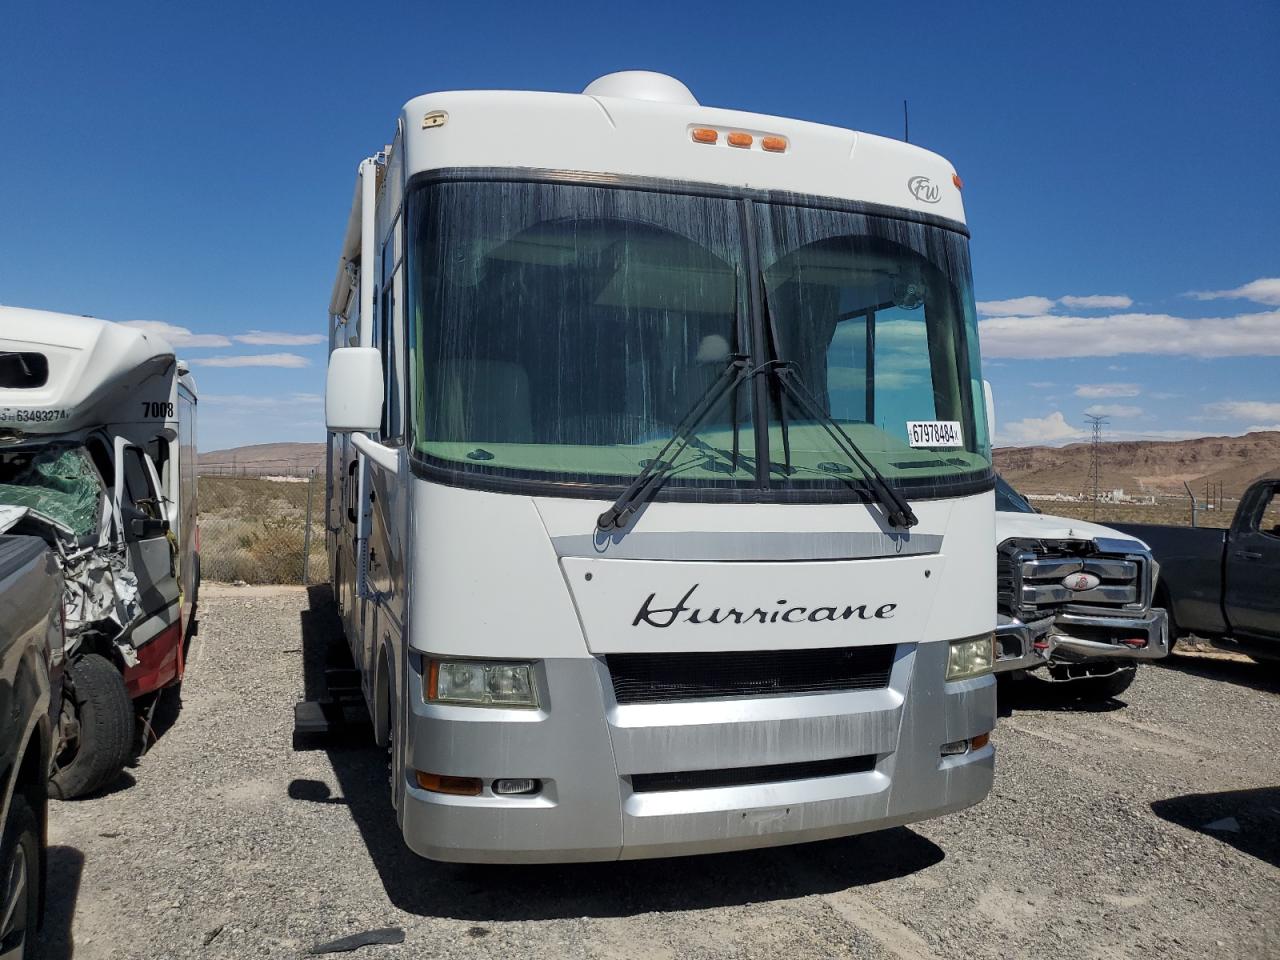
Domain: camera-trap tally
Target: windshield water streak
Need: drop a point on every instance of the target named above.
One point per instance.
(559, 334)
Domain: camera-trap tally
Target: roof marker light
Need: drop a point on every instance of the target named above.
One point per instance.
(739, 139)
(705, 135)
(774, 144)
(955, 178)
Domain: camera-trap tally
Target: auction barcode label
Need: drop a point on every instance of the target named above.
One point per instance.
(934, 433)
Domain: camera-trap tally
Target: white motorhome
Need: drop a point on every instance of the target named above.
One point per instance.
(97, 457)
(660, 491)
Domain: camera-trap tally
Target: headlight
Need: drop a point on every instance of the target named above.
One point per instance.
(481, 683)
(971, 658)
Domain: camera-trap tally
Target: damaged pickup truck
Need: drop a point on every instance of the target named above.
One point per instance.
(97, 459)
(1074, 600)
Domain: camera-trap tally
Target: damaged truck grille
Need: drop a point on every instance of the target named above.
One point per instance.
(1040, 577)
(668, 677)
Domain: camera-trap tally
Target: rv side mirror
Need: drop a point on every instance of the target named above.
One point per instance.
(990, 404)
(144, 528)
(353, 390)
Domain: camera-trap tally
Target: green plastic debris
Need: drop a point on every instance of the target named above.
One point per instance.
(58, 483)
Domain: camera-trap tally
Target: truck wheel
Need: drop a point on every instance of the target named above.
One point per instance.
(19, 881)
(1103, 687)
(96, 731)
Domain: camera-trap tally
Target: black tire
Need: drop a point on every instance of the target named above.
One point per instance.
(1104, 687)
(20, 862)
(96, 698)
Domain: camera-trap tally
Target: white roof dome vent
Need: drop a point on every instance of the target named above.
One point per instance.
(641, 85)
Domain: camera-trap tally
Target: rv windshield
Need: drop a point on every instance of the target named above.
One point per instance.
(561, 332)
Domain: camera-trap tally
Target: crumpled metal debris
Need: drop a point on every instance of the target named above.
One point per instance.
(58, 492)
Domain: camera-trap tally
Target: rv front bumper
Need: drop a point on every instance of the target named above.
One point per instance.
(1074, 638)
(597, 763)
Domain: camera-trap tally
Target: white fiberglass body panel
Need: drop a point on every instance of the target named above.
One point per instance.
(515, 596)
(94, 372)
(575, 132)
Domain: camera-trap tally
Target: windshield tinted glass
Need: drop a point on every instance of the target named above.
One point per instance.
(877, 317)
(1010, 500)
(559, 333)
(564, 331)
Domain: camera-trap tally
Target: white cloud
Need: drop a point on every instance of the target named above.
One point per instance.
(1246, 334)
(1263, 428)
(1097, 302)
(268, 338)
(255, 360)
(1265, 290)
(1041, 430)
(1042, 384)
(1017, 307)
(1113, 410)
(245, 401)
(1242, 410)
(178, 336)
(1098, 391)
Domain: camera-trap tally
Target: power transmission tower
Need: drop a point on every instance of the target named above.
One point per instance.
(1095, 458)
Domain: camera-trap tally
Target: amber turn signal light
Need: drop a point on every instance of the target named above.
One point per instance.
(458, 786)
(980, 741)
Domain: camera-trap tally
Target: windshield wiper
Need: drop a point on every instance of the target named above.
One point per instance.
(786, 371)
(656, 470)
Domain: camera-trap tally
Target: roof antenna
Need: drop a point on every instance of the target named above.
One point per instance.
(906, 124)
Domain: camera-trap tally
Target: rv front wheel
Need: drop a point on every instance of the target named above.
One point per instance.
(96, 730)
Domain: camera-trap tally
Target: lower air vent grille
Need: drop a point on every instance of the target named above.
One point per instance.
(745, 776)
(670, 677)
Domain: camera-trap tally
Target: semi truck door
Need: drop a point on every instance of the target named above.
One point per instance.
(1253, 564)
(144, 516)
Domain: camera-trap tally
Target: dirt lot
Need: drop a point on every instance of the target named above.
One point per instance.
(224, 843)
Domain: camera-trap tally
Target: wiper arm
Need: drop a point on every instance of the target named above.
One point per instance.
(646, 483)
(894, 503)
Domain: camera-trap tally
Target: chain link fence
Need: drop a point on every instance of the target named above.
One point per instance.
(262, 529)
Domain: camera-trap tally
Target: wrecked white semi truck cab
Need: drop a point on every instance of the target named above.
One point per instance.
(660, 492)
(97, 458)
(1074, 600)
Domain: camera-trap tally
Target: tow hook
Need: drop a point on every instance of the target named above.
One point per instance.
(1134, 642)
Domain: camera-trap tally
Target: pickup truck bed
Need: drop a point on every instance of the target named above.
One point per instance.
(1191, 573)
(1224, 584)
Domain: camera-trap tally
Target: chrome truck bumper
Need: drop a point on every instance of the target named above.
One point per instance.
(1074, 637)
(808, 767)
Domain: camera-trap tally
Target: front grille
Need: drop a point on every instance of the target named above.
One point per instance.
(746, 776)
(668, 677)
(1031, 578)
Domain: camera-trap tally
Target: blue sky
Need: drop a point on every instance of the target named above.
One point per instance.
(193, 165)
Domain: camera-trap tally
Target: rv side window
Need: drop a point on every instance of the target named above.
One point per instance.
(137, 484)
(392, 428)
(23, 370)
(159, 451)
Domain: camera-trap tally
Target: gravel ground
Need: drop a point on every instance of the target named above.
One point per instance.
(223, 842)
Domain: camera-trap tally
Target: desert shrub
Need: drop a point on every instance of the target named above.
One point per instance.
(255, 530)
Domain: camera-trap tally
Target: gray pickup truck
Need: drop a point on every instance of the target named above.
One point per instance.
(1074, 600)
(31, 658)
(1224, 585)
